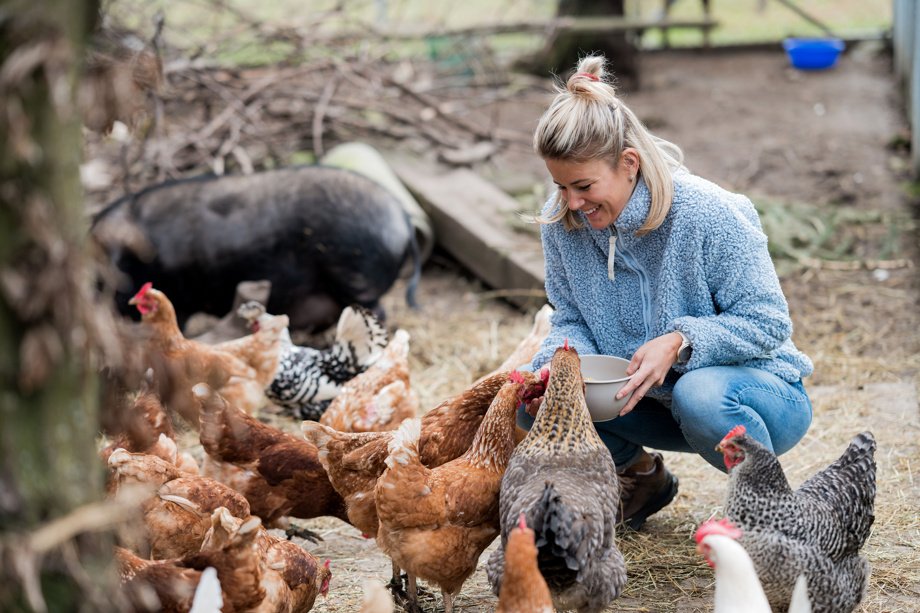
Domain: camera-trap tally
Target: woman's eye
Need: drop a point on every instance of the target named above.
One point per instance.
(585, 188)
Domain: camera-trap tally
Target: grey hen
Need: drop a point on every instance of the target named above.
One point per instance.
(562, 478)
(308, 379)
(816, 530)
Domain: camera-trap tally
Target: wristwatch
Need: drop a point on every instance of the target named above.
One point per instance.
(685, 350)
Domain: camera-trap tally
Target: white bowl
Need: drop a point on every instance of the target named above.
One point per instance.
(604, 375)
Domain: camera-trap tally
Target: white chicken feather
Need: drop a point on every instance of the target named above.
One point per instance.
(738, 589)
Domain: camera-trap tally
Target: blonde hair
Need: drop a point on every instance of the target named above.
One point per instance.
(587, 121)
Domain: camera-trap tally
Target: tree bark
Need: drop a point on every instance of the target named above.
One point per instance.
(48, 411)
(562, 51)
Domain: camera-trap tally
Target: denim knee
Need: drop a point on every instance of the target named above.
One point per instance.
(709, 402)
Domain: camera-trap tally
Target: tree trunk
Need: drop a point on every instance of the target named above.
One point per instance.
(48, 412)
(562, 52)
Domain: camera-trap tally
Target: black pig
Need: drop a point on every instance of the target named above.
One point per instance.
(325, 237)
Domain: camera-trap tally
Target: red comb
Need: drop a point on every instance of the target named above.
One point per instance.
(144, 289)
(566, 346)
(327, 563)
(736, 431)
(516, 377)
(544, 375)
(522, 522)
(721, 526)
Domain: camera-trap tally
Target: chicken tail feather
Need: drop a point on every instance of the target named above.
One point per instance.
(559, 535)
(403, 448)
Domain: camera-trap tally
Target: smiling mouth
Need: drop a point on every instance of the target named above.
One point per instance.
(591, 211)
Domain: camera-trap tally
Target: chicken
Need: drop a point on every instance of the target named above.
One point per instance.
(307, 379)
(816, 530)
(263, 348)
(436, 522)
(147, 428)
(738, 589)
(207, 598)
(354, 461)
(174, 581)
(528, 346)
(378, 399)
(181, 363)
(523, 588)
(292, 577)
(377, 598)
(178, 513)
(278, 473)
(562, 478)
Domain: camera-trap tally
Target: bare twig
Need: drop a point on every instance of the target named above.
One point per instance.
(318, 115)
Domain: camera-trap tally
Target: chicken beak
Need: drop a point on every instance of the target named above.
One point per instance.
(719, 448)
(133, 300)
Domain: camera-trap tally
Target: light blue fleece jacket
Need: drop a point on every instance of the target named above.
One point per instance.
(704, 271)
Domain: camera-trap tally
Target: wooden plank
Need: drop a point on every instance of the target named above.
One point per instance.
(471, 222)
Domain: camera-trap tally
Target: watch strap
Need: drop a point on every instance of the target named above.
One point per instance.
(685, 349)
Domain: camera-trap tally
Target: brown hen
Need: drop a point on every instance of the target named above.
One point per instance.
(354, 461)
(436, 522)
(302, 576)
(238, 566)
(178, 513)
(378, 399)
(181, 363)
(523, 588)
(149, 430)
(278, 473)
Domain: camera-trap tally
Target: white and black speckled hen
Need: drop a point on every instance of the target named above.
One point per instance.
(562, 478)
(308, 379)
(816, 530)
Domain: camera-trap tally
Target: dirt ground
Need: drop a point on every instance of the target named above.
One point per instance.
(750, 123)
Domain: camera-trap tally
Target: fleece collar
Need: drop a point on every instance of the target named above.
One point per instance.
(631, 217)
(636, 210)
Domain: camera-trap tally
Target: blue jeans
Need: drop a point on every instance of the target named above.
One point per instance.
(706, 404)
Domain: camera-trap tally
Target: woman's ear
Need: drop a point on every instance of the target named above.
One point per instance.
(629, 160)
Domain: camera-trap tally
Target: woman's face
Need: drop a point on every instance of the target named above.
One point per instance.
(595, 188)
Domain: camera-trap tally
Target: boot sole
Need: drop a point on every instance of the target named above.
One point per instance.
(655, 504)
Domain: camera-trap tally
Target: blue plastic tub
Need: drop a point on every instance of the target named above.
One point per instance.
(813, 53)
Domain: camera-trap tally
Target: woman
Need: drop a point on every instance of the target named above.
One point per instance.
(648, 262)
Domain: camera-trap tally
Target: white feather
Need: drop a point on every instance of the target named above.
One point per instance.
(738, 590)
(800, 602)
(208, 597)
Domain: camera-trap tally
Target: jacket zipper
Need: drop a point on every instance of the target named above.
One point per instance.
(643, 281)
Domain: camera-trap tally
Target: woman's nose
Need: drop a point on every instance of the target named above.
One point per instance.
(575, 202)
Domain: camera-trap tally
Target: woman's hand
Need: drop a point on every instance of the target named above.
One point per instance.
(649, 365)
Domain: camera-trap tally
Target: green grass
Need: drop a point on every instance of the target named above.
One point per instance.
(193, 25)
(744, 21)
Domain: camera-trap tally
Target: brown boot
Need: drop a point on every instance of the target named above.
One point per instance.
(644, 490)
